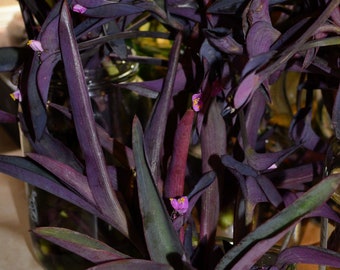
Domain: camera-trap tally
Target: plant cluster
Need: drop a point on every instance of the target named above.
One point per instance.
(227, 131)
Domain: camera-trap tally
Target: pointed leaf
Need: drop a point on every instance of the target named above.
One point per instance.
(308, 255)
(242, 168)
(128, 264)
(73, 179)
(80, 244)
(98, 177)
(29, 172)
(161, 239)
(302, 206)
(155, 130)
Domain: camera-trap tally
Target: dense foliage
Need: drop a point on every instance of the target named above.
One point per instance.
(244, 105)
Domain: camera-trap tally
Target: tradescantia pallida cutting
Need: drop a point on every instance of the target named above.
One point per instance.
(241, 96)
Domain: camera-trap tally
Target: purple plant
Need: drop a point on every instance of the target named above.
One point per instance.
(206, 145)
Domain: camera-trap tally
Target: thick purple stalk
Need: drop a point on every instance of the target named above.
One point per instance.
(174, 183)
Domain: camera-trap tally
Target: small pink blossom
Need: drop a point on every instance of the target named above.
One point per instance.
(197, 103)
(35, 45)
(79, 9)
(272, 167)
(180, 205)
(16, 95)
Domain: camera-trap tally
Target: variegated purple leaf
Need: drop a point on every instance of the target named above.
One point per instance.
(308, 255)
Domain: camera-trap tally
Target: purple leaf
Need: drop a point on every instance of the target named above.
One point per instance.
(44, 75)
(34, 105)
(246, 89)
(114, 10)
(80, 244)
(253, 117)
(256, 62)
(29, 172)
(152, 88)
(97, 174)
(295, 178)
(226, 43)
(128, 264)
(257, 44)
(309, 255)
(259, 12)
(71, 178)
(263, 161)
(240, 167)
(301, 131)
(269, 190)
(52, 148)
(155, 130)
(174, 183)
(121, 152)
(213, 145)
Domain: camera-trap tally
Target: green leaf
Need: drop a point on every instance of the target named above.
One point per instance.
(81, 244)
(302, 206)
(161, 239)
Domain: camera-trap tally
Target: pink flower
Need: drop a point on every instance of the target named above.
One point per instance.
(180, 205)
(197, 103)
(16, 95)
(79, 9)
(35, 45)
